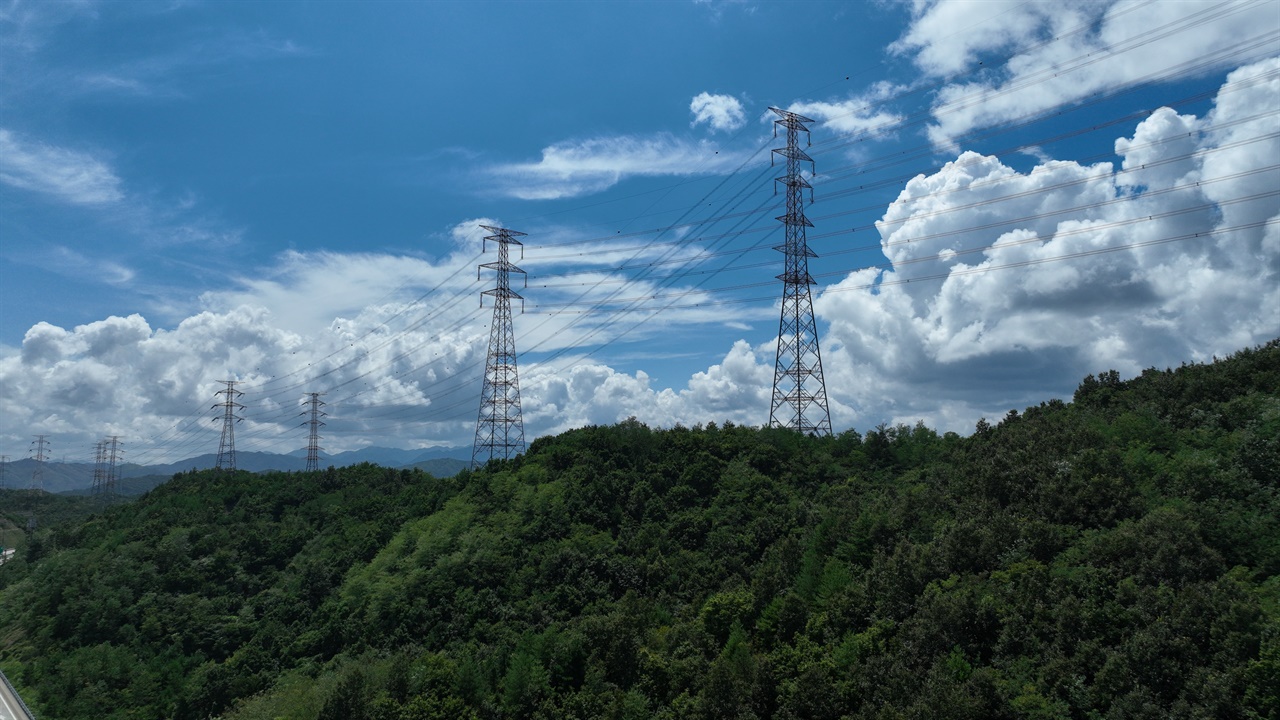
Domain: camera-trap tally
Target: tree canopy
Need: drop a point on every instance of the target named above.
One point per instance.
(1117, 556)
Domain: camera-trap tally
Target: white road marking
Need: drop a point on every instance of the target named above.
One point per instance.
(6, 710)
(10, 709)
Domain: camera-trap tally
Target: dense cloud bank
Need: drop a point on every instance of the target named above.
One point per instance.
(1173, 256)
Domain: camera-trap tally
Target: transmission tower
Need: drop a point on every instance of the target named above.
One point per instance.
(499, 429)
(37, 475)
(313, 437)
(99, 467)
(799, 390)
(4, 469)
(227, 445)
(111, 453)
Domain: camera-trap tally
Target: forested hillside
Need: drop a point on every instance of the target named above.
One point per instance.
(19, 506)
(1113, 557)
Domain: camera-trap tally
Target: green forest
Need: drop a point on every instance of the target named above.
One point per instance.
(1116, 556)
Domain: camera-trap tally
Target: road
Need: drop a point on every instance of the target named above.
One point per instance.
(11, 708)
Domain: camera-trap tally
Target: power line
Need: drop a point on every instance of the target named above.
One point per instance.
(979, 269)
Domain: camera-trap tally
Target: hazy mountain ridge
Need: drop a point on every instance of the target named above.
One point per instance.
(63, 477)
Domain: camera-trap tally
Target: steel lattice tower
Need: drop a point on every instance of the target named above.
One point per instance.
(99, 466)
(111, 453)
(499, 429)
(313, 437)
(227, 445)
(799, 390)
(37, 475)
(4, 468)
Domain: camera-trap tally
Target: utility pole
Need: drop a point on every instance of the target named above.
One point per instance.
(500, 429)
(111, 452)
(99, 467)
(227, 445)
(799, 389)
(37, 475)
(313, 436)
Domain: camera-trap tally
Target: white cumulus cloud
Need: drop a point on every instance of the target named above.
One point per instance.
(720, 112)
(738, 389)
(1020, 283)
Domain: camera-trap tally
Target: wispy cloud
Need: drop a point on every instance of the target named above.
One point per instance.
(73, 264)
(581, 167)
(1055, 52)
(169, 74)
(33, 66)
(862, 113)
(719, 7)
(68, 175)
(68, 262)
(26, 26)
(132, 223)
(307, 291)
(112, 83)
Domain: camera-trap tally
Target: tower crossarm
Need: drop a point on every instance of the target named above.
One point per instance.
(503, 293)
(790, 120)
(501, 267)
(795, 219)
(793, 154)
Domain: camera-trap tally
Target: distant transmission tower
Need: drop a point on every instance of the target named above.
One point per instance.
(227, 445)
(799, 390)
(99, 467)
(313, 437)
(4, 469)
(111, 453)
(37, 475)
(500, 430)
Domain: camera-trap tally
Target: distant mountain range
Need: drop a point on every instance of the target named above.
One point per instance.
(77, 478)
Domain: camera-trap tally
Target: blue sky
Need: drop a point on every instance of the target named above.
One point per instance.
(288, 194)
(232, 132)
